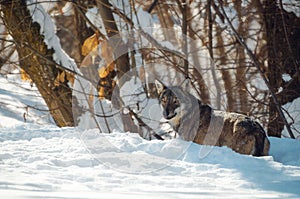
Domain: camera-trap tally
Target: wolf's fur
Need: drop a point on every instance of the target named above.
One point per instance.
(199, 123)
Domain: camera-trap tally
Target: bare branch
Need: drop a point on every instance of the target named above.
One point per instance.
(257, 64)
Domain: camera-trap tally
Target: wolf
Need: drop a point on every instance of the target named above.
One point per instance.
(198, 122)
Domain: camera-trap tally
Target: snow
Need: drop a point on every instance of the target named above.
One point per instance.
(286, 77)
(293, 117)
(94, 16)
(40, 160)
(292, 6)
(47, 161)
(48, 30)
(24, 102)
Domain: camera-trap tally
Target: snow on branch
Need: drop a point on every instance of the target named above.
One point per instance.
(48, 30)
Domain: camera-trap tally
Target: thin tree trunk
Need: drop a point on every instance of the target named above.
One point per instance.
(121, 59)
(226, 75)
(240, 70)
(81, 31)
(166, 22)
(120, 50)
(197, 73)
(211, 53)
(275, 125)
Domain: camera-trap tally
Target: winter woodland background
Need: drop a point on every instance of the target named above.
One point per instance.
(92, 64)
(247, 57)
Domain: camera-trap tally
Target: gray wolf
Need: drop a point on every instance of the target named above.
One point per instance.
(198, 122)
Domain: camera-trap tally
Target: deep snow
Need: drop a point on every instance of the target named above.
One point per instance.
(40, 160)
(45, 161)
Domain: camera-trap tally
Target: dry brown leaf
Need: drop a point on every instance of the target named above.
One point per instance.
(101, 93)
(107, 90)
(25, 76)
(70, 78)
(62, 77)
(57, 80)
(89, 44)
(104, 71)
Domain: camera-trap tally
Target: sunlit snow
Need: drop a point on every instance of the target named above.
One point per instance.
(40, 160)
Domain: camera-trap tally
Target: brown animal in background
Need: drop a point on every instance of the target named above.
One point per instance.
(199, 123)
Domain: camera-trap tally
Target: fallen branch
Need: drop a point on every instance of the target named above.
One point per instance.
(142, 123)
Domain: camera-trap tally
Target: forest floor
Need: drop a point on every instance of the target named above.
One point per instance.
(40, 160)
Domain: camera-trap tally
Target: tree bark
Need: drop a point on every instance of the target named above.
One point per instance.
(204, 91)
(241, 62)
(226, 75)
(120, 52)
(283, 45)
(72, 30)
(211, 53)
(37, 60)
(119, 49)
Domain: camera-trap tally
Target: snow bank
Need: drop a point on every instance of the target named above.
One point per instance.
(19, 103)
(293, 117)
(286, 151)
(46, 161)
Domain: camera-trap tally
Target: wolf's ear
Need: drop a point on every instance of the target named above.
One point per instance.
(159, 86)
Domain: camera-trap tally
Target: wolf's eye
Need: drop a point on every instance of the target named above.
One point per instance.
(164, 99)
(175, 101)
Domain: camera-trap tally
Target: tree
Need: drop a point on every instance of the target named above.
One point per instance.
(283, 44)
(36, 59)
(223, 48)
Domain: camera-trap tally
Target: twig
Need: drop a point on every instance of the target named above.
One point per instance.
(152, 6)
(95, 29)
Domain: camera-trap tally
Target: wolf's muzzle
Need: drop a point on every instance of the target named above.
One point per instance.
(167, 115)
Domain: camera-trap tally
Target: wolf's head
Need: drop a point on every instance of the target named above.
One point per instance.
(168, 100)
(180, 108)
(177, 105)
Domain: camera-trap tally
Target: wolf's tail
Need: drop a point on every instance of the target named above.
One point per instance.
(262, 143)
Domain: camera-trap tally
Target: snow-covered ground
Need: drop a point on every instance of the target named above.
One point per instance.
(40, 160)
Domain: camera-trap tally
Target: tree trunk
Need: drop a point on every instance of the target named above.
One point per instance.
(82, 31)
(211, 53)
(197, 75)
(282, 32)
(120, 52)
(226, 75)
(241, 62)
(166, 22)
(119, 49)
(37, 61)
